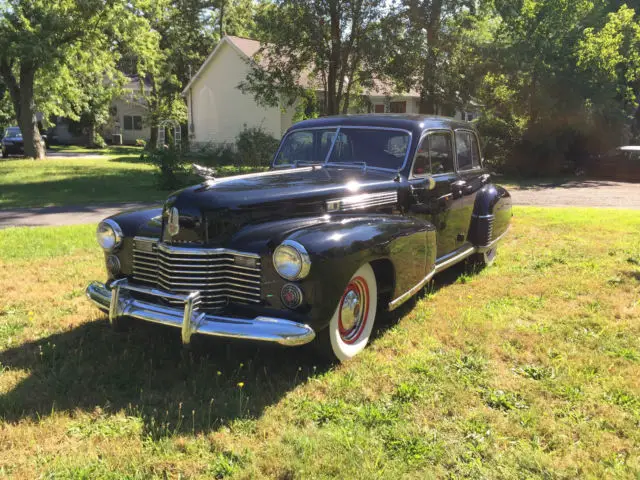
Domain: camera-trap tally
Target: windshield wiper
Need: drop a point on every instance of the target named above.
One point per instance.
(304, 162)
(350, 164)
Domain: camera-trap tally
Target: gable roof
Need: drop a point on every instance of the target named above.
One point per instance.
(245, 47)
(248, 48)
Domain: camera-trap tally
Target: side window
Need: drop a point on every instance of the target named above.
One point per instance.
(434, 154)
(441, 152)
(467, 150)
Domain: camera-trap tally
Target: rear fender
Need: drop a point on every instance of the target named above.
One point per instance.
(491, 215)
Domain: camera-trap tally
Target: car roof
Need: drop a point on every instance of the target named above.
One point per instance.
(413, 122)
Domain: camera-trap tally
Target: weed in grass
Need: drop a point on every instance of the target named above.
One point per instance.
(501, 400)
(534, 372)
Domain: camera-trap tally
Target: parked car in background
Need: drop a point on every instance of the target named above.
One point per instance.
(621, 163)
(13, 143)
(355, 216)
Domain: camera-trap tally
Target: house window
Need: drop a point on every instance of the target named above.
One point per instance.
(132, 122)
(398, 107)
(379, 108)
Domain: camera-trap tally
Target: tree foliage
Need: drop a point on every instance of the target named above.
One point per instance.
(58, 56)
(330, 45)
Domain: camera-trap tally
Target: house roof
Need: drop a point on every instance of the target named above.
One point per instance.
(248, 48)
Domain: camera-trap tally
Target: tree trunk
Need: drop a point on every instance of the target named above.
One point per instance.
(33, 147)
(222, 5)
(333, 102)
(153, 139)
(428, 90)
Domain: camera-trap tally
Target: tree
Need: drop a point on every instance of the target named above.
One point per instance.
(44, 38)
(327, 45)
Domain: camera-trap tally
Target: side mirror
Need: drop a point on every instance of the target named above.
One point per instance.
(204, 172)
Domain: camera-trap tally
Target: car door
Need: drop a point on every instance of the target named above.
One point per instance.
(471, 175)
(441, 204)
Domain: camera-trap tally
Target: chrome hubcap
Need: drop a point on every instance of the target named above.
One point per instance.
(353, 310)
(350, 310)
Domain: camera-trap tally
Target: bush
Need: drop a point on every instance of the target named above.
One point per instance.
(170, 164)
(255, 147)
(141, 142)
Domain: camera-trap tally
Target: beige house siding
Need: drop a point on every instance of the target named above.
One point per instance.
(218, 110)
(127, 106)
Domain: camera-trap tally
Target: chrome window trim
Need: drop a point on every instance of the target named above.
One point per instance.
(346, 127)
(473, 132)
(424, 135)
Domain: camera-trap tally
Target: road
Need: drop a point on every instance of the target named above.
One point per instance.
(579, 193)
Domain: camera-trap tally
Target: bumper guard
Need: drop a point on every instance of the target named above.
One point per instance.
(118, 302)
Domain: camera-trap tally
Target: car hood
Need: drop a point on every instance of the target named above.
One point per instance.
(221, 207)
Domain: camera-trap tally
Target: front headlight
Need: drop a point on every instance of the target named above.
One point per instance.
(109, 235)
(291, 260)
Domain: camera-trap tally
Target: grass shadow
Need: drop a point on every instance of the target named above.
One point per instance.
(147, 373)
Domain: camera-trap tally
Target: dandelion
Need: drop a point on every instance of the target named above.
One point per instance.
(31, 314)
(240, 384)
(241, 365)
(218, 373)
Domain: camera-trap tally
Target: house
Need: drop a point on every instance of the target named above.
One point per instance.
(218, 110)
(128, 118)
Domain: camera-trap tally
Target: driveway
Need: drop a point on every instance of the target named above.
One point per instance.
(578, 193)
(575, 193)
(67, 215)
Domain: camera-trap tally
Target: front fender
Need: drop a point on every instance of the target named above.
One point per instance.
(491, 215)
(403, 248)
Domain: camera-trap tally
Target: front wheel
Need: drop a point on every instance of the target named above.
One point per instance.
(351, 325)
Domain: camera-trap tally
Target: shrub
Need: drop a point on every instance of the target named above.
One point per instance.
(141, 142)
(170, 164)
(255, 147)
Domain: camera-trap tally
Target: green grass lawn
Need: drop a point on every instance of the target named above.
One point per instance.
(529, 369)
(118, 176)
(116, 150)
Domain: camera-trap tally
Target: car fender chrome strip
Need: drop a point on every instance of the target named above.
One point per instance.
(411, 292)
(362, 201)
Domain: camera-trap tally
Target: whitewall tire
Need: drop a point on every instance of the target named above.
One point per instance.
(352, 323)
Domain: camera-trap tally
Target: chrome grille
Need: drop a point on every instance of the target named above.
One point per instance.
(214, 272)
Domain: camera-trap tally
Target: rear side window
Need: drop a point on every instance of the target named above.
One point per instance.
(467, 150)
(434, 155)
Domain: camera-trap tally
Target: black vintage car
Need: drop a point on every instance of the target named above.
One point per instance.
(356, 215)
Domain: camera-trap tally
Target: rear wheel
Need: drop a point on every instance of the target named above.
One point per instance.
(352, 323)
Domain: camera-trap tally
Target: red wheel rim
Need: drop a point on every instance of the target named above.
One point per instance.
(353, 310)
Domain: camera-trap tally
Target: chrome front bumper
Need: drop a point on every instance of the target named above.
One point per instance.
(118, 302)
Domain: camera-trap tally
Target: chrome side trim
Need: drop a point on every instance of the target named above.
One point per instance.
(119, 302)
(453, 258)
(359, 202)
(411, 292)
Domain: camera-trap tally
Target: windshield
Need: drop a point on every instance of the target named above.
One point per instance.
(13, 132)
(373, 147)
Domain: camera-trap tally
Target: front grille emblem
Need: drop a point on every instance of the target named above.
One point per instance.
(173, 222)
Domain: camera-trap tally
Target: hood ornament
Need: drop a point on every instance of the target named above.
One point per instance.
(173, 222)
